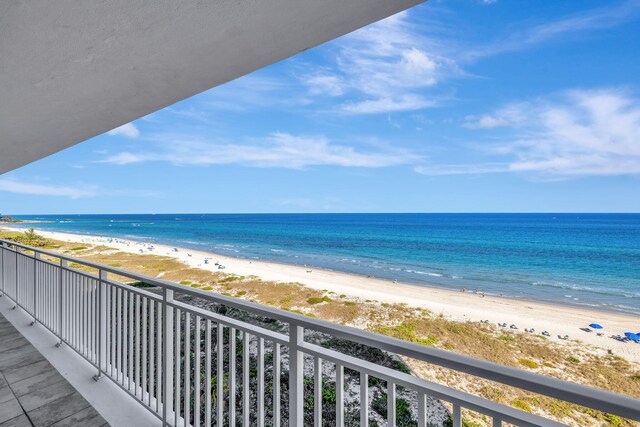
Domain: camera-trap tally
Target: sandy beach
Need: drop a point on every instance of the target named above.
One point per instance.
(558, 320)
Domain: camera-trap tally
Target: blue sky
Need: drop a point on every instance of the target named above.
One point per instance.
(452, 106)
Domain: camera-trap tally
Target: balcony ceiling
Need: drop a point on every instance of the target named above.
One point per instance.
(71, 70)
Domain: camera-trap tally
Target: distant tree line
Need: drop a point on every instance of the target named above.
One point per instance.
(6, 218)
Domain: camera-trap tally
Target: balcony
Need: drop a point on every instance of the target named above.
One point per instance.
(194, 358)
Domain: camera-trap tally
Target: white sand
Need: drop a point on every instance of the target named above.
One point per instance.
(556, 319)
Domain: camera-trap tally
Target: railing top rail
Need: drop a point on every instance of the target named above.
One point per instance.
(602, 400)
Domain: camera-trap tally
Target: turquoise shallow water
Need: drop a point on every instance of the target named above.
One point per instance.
(583, 259)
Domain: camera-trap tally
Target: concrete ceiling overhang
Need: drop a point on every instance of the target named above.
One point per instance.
(71, 70)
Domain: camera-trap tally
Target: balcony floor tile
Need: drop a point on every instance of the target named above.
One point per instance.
(32, 391)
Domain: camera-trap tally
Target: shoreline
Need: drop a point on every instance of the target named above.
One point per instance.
(453, 305)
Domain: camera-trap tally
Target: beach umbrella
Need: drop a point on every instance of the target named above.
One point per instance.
(596, 326)
(632, 336)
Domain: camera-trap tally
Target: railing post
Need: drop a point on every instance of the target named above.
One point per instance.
(36, 257)
(296, 376)
(17, 296)
(2, 268)
(102, 323)
(456, 415)
(63, 265)
(167, 355)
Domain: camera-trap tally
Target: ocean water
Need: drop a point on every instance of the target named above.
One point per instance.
(590, 260)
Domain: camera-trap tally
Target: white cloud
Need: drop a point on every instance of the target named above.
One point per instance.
(388, 105)
(254, 91)
(485, 122)
(579, 133)
(13, 186)
(129, 130)
(383, 68)
(325, 84)
(279, 150)
(589, 133)
(511, 115)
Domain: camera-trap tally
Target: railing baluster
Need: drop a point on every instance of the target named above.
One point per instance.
(187, 368)
(317, 393)
(17, 293)
(276, 384)
(130, 349)
(112, 325)
(159, 385)
(220, 375)
(422, 409)
(145, 360)
(391, 404)
(232, 377)
(152, 367)
(364, 399)
(207, 373)
(78, 313)
(126, 372)
(177, 368)
(339, 395)
(93, 321)
(61, 311)
(2, 269)
(260, 392)
(84, 334)
(102, 322)
(246, 391)
(138, 344)
(456, 416)
(36, 256)
(167, 365)
(197, 375)
(119, 337)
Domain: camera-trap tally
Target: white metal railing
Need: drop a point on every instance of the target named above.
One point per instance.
(192, 366)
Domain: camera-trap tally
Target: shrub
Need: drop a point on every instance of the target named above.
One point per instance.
(316, 300)
(141, 285)
(573, 360)
(528, 363)
(407, 331)
(614, 420)
(521, 404)
(404, 416)
(185, 282)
